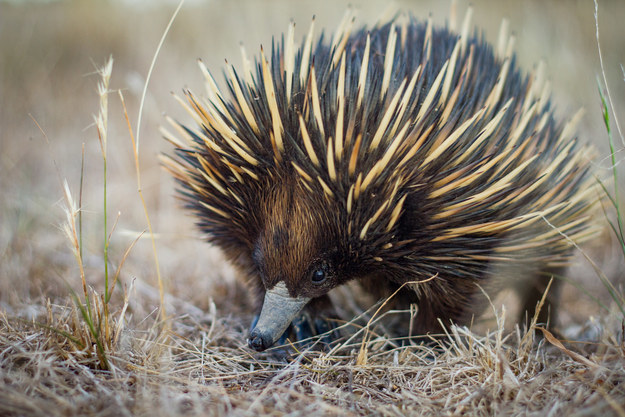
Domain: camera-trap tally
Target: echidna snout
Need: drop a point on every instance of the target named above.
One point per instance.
(279, 310)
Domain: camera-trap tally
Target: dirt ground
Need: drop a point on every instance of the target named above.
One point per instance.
(49, 56)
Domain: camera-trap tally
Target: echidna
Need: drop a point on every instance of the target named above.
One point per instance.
(402, 155)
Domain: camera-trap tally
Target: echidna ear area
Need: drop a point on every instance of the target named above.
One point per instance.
(403, 121)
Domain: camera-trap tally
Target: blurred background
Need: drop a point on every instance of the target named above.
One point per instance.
(49, 53)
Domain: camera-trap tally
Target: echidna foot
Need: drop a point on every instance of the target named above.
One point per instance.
(315, 331)
(306, 331)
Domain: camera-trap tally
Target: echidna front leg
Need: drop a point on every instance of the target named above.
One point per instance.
(427, 320)
(532, 292)
(444, 303)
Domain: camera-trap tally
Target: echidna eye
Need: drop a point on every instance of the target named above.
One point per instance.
(318, 276)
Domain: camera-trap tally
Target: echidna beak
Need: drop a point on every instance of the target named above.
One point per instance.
(279, 310)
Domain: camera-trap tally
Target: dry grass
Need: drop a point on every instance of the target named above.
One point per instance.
(89, 332)
(203, 369)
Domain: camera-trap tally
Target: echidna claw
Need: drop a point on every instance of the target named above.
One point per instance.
(316, 331)
(302, 329)
(327, 330)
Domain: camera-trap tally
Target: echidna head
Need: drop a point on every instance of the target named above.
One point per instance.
(299, 255)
